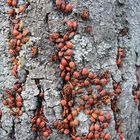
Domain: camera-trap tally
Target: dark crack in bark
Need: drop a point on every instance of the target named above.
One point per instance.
(12, 133)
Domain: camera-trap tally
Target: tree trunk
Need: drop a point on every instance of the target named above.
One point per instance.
(115, 24)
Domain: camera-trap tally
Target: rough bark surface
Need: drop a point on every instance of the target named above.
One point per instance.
(96, 50)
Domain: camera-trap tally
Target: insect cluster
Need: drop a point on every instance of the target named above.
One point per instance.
(136, 95)
(82, 90)
(63, 6)
(78, 82)
(39, 120)
(120, 57)
(13, 99)
(18, 37)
